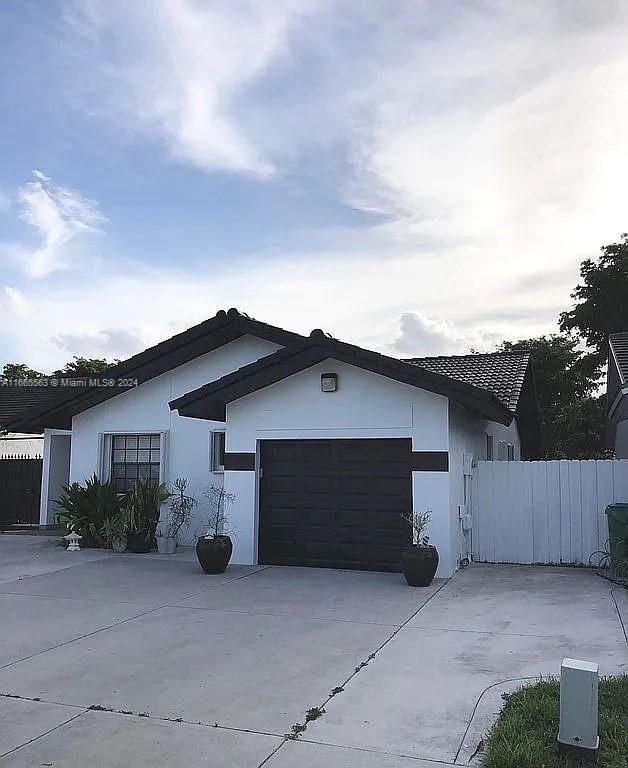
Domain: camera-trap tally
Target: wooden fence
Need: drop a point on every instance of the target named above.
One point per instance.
(544, 511)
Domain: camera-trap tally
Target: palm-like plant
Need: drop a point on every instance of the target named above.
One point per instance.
(85, 509)
(142, 504)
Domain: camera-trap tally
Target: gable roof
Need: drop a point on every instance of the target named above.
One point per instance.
(15, 401)
(210, 401)
(211, 334)
(618, 343)
(501, 373)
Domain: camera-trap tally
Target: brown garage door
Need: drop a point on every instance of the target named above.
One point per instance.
(335, 503)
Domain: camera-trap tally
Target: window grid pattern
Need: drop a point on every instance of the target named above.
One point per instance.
(134, 457)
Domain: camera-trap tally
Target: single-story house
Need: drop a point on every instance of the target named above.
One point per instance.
(325, 445)
(617, 394)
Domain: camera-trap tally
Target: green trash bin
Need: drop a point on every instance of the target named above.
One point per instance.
(618, 536)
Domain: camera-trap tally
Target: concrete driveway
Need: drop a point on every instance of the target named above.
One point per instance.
(116, 660)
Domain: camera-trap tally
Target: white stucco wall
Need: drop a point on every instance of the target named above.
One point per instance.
(366, 405)
(467, 434)
(55, 472)
(145, 409)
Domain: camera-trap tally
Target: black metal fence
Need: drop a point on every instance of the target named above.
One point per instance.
(20, 490)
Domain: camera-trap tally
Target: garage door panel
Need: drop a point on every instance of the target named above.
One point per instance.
(280, 516)
(284, 483)
(353, 484)
(317, 517)
(315, 451)
(316, 484)
(388, 486)
(338, 503)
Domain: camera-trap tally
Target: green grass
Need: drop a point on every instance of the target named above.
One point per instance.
(525, 734)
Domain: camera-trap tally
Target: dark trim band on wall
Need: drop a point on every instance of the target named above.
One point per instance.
(429, 461)
(239, 461)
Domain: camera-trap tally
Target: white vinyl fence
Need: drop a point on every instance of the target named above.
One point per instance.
(543, 511)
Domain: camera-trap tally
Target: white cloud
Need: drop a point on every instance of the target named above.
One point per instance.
(13, 303)
(427, 336)
(177, 68)
(111, 343)
(345, 295)
(503, 133)
(61, 218)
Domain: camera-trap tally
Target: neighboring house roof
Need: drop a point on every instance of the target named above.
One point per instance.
(211, 334)
(618, 343)
(501, 373)
(210, 401)
(616, 385)
(15, 401)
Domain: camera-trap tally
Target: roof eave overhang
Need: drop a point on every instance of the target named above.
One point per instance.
(210, 401)
(145, 366)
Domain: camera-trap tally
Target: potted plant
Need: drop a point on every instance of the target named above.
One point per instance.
(419, 561)
(181, 508)
(215, 547)
(142, 505)
(114, 531)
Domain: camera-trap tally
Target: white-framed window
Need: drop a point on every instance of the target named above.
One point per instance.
(116, 449)
(490, 447)
(134, 456)
(217, 451)
(511, 452)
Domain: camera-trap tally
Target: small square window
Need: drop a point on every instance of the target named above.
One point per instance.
(218, 451)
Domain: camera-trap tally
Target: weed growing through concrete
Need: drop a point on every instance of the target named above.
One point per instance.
(314, 713)
(298, 728)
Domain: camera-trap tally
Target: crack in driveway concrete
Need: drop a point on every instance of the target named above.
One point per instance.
(340, 688)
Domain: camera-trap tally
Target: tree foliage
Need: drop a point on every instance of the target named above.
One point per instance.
(571, 420)
(19, 371)
(83, 366)
(75, 368)
(601, 299)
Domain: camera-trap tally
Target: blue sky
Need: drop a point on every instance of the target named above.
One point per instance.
(415, 177)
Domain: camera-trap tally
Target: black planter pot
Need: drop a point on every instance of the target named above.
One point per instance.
(214, 554)
(419, 565)
(138, 541)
